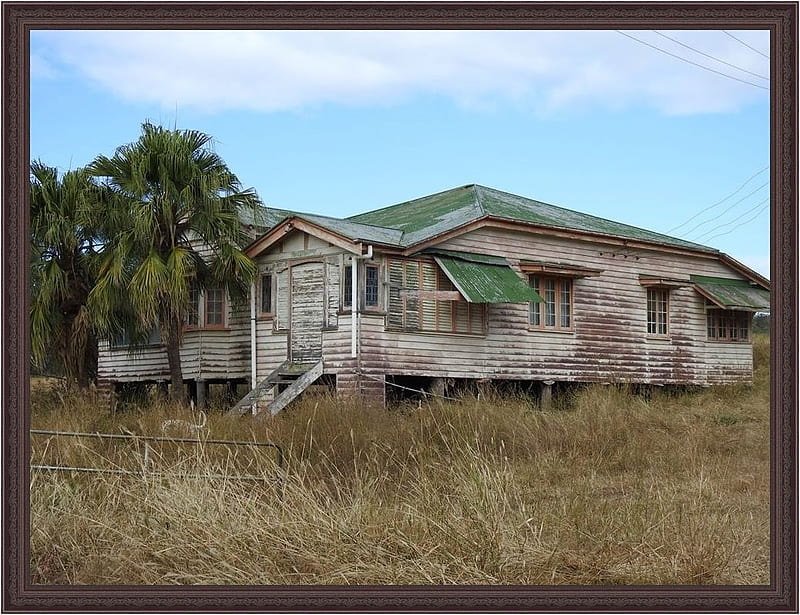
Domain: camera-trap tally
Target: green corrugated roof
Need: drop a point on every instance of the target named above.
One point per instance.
(429, 216)
(486, 259)
(732, 294)
(484, 283)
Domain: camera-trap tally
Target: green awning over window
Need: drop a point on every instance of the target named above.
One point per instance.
(732, 294)
(486, 283)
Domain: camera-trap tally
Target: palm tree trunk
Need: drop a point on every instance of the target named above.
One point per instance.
(174, 361)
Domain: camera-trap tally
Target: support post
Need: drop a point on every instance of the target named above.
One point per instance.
(437, 386)
(547, 394)
(202, 393)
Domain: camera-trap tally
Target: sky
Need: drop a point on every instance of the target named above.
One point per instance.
(665, 130)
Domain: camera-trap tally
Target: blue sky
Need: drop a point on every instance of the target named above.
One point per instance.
(339, 123)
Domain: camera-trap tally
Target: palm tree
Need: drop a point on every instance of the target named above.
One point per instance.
(64, 249)
(182, 200)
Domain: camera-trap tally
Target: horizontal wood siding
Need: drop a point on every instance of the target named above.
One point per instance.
(205, 354)
(608, 342)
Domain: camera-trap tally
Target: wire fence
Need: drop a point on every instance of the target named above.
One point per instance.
(150, 456)
(400, 386)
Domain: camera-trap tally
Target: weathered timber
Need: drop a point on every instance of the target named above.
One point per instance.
(254, 395)
(296, 388)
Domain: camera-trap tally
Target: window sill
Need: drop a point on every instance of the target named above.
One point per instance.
(435, 333)
(548, 330)
(265, 317)
(659, 338)
(717, 341)
(140, 347)
(372, 311)
(206, 328)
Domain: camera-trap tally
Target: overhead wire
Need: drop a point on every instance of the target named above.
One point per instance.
(758, 213)
(736, 219)
(704, 222)
(720, 202)
(682, 59)
(745, 44)
(708, 55)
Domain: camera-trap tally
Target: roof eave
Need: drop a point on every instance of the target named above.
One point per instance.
(498, 221)
(751, 275)
(293, 223)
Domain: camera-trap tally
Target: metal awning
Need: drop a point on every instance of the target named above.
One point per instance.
(730, 294)
(482, 282)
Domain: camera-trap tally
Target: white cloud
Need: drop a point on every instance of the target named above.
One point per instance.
(41, 68)
(278, 70)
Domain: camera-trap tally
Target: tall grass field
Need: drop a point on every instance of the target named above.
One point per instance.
(605, 486)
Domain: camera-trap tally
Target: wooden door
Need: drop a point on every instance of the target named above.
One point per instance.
(307, 312)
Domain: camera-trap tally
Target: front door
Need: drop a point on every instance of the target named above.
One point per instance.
(308, 296)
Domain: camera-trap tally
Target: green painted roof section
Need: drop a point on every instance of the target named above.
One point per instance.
(429, 216)
(733, 294)
(486, 259)
(483, 283)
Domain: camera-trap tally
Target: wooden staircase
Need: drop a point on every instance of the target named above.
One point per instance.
(288, 379)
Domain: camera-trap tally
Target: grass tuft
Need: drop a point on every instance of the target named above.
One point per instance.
(607, 487)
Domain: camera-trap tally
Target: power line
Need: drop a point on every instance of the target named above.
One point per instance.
(726, 211)
(751, 178)
(745, 44)
(736, 219)
(708, 55)
(682, 59)
(738, 225)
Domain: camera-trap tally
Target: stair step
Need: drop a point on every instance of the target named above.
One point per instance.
(288, 381)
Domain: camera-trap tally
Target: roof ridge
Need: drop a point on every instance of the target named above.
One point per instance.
(420, 198)
(581, 213)
(479, 198)
(383, 228)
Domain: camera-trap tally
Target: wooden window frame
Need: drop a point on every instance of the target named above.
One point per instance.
(657, 290)
(347, 287)
(193, 314)
(203, 311)
(476, 312)
(271, 312)
(222, 304)
(537, 311)
(377, 305)
(725, 326)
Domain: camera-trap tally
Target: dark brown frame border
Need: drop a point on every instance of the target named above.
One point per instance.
(780, 18)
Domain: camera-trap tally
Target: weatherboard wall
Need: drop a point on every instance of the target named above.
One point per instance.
(608, 342)
(206, 354)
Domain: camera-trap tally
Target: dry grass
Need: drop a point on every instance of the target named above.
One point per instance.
(607, 488)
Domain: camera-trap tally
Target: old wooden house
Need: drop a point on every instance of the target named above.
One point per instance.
(468, 284)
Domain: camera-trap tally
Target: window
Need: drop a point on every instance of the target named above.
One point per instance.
(657, 311)
(347, 287)
(370, 286)
(412, 308)
(122, 340)
(215, 307)
(728, 326)
(193, 311)
(555, 311)
(266, 293)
